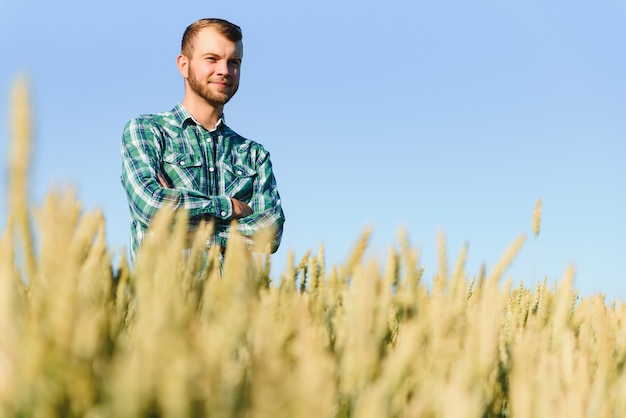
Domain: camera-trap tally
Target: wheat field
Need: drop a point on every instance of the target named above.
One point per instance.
(189, 337)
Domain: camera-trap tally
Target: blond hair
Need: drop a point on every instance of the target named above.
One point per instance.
(224, 27)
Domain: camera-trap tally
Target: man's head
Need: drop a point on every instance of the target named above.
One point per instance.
(210, 60)
(229, 30)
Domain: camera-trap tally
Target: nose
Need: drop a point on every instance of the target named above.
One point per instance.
(223, 68)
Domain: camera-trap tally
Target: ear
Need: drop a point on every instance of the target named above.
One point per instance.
(182, 62)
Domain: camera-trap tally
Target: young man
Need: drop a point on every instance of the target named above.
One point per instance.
(188, 158)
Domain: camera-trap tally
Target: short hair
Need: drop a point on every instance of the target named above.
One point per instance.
(231, 31)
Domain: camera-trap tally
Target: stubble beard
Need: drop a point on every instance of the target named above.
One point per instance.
(203, 90)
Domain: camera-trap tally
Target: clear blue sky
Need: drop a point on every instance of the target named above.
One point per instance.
(450, 116)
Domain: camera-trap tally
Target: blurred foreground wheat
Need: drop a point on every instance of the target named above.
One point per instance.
(169, 339)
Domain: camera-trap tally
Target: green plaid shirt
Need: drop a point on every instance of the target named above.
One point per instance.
(204, 170)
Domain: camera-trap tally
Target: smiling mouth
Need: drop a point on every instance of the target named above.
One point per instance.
(222, 86)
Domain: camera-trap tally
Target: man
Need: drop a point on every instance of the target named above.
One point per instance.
(188, 158)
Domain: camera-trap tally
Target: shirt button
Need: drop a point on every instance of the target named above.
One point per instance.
(211, 169)
(223, 213)
(220, 137)
(182, 163)
(239, 172)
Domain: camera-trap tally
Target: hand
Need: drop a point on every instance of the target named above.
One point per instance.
(240, 209)
(162, 181)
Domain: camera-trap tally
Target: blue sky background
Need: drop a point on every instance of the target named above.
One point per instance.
(450, 116)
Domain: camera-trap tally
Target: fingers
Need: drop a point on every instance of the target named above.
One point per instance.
(240, 209)
(245, 209)
(248, 210)
(162, 181)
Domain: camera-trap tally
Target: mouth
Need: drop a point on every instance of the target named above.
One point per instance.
(221, 84)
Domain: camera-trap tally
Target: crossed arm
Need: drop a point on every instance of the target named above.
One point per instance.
(240, 209)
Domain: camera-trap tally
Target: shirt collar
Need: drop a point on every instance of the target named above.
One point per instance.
(183, 116)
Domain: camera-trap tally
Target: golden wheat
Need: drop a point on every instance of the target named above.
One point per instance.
(193, 336)
(537, 218)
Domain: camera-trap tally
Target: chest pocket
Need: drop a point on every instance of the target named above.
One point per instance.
(238, 181)
(185, 170)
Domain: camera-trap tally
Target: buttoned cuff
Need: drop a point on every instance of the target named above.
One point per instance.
(224, 208)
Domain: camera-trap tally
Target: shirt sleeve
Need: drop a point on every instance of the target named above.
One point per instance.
(267, 212)
(142, 152)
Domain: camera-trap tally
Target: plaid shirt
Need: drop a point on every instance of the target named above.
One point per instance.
(204, 170)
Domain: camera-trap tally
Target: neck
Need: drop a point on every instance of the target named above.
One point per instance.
(203, 112)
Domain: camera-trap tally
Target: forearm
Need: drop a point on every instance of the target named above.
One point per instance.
(147, 197)
(253, 225)
(145, 205)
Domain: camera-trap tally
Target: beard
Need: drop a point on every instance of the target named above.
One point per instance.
(212, 97)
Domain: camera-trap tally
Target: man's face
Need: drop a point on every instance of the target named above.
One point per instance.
(213, 69)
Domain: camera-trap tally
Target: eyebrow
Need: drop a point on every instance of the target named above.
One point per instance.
(213, 54)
